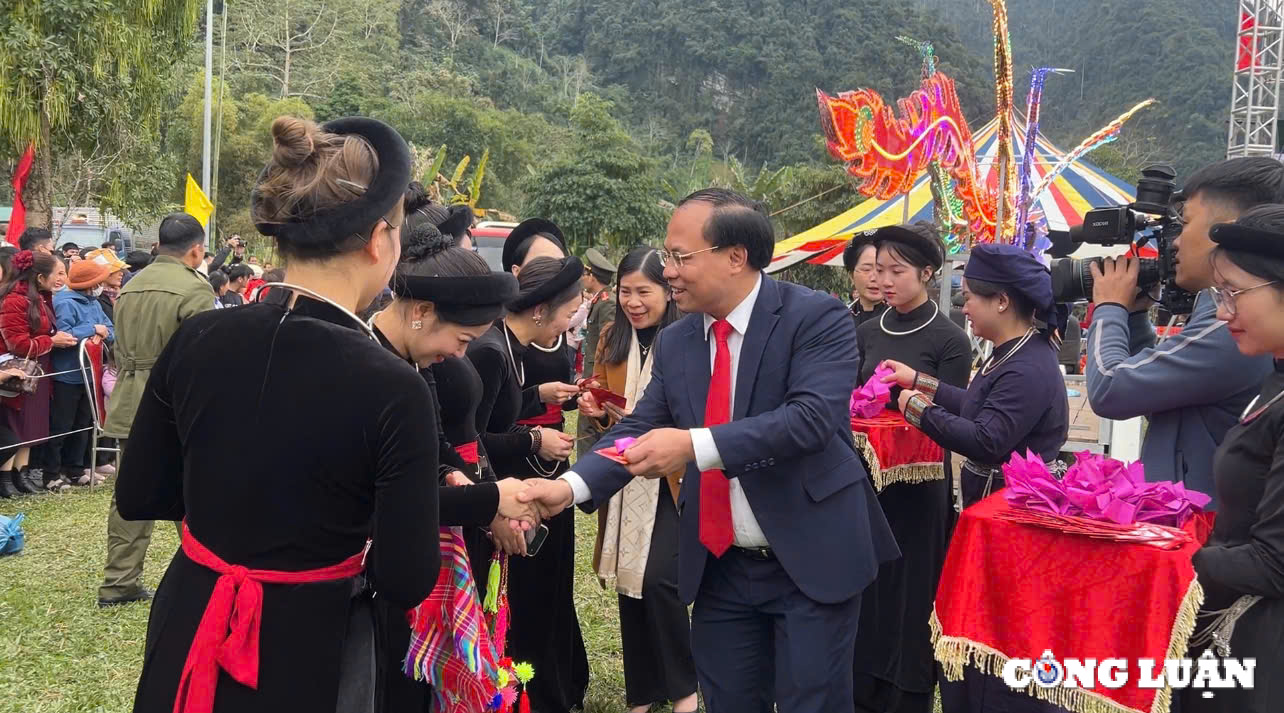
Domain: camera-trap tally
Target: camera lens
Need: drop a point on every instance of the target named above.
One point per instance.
(1155, 189)
(1071, 279)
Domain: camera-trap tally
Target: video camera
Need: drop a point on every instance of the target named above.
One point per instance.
(1155, 214)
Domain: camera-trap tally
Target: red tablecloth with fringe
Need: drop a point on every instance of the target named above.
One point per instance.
(1013, 591)
(896, 452)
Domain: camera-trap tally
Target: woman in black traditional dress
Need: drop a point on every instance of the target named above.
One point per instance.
(860, 260)
(1241, 567)
(894, 669)
(444, 298)
(342, 435)
(1016, 402)
(544, 629)
(458, 386)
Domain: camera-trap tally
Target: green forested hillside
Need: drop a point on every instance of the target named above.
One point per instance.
(1180, 52)
(599, 113)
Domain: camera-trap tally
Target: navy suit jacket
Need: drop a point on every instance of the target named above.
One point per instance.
(789, 441)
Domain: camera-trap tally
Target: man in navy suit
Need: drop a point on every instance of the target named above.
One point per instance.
(780, 528)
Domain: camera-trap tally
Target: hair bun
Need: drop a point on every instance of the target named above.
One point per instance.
(23, 260)
(293, 140)
(416, 197)
(424, 242)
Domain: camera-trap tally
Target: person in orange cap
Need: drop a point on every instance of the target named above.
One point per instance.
(104, 461)
(79, 314)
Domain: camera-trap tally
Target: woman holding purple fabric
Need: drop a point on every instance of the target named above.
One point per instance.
(1016, 401)
(1241, 567)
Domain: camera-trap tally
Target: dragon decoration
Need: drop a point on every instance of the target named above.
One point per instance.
(889, 152)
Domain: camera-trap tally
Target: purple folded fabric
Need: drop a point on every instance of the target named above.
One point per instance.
(1099, 488)
(623, 444)
(871, 399)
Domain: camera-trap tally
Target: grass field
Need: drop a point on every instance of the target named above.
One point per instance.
(60, 653)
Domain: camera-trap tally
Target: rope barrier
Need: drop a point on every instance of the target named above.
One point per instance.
(24, 444)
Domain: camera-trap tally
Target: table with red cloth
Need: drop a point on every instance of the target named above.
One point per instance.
(1012, 590)
(896, 452)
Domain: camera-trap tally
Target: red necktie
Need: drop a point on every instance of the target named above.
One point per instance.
(715, 491)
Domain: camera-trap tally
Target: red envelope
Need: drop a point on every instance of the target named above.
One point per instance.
(611, 454)
(607, 397)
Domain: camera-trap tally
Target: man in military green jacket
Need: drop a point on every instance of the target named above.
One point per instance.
(148, 312)
(599, 273)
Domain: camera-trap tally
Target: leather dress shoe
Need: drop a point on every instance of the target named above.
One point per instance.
(141, 595)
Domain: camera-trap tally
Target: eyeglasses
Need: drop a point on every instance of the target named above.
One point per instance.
(679, 258)
(1224, 298)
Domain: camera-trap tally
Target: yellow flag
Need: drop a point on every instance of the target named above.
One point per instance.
(196, 204)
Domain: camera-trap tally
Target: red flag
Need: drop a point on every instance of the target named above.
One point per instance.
(1247, 57)
(18, 218)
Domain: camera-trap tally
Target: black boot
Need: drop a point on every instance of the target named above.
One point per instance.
(36, 478)
(22, 483)
(6, 485)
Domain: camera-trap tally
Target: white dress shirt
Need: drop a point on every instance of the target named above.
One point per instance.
(747, 531)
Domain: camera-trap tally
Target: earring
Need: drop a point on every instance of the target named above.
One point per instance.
(539, 321)
(417, 324)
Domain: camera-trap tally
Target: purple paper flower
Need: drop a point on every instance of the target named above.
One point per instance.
(1099, 488)
(623, 444)
(870, 399)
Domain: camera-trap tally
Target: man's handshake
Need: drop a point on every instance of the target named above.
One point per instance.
(524, 503)
(549, 497)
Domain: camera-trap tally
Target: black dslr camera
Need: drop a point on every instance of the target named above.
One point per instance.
(1155, 214)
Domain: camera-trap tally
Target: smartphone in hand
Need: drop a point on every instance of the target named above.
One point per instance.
(535, 539)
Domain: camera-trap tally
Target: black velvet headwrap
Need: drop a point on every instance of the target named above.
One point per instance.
(914, 236)
(470, 301)
(1241, 238)
(356, 216)
(528, 228)
(572, 271)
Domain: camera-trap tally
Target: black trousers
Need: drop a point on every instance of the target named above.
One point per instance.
(69, 411)
(655, 630)
(758, 640)
(874, 695)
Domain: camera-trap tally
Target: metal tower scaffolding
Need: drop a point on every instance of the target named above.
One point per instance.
(1256, 85)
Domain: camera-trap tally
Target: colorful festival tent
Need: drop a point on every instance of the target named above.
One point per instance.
(1081, 187)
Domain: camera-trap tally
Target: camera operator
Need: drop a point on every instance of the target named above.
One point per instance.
(1193, 386)
(235, 247)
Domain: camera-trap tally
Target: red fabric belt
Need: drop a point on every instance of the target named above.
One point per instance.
(95, 352)
(896, 442)
(228, 635)
(468, 452)
(552, 416)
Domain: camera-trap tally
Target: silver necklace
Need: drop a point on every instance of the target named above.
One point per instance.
(882, 322)
(991, 365)
(1247, 417)
(321, 298)
(556, 345)
(519, 370)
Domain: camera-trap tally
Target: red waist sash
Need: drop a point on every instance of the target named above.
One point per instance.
(468, 452)
(896, 452)
(228, 635)
(551, 417)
